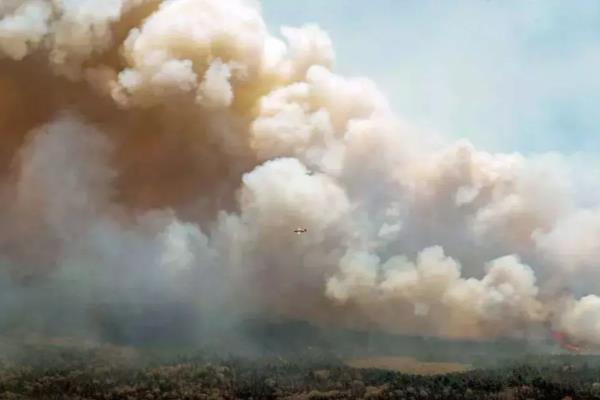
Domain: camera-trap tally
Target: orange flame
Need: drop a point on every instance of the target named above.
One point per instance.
(563, 341)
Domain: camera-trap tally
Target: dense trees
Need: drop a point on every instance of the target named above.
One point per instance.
(91, 375)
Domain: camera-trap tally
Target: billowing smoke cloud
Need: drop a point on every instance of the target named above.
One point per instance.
(155, 151)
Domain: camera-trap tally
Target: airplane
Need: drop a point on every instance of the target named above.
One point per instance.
(298, 231)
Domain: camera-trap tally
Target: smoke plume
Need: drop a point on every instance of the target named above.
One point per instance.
(166, 151)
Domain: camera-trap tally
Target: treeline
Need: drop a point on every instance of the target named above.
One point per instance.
(55, 373)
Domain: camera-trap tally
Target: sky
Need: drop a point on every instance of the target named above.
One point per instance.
(510, 75)
(176, 166)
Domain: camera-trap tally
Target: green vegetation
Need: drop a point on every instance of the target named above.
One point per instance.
(109, 373)
(286, 360)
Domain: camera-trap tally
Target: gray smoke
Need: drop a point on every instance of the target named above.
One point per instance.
(165, 151)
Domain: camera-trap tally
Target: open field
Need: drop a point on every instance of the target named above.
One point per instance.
(408, 365)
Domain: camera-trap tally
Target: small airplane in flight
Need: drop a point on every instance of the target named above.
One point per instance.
(299, 231)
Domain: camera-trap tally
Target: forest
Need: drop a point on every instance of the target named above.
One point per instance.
(291, 360)
(60, 374)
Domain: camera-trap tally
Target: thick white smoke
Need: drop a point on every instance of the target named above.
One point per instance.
(167, 150)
